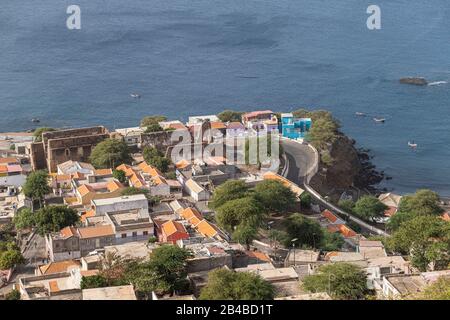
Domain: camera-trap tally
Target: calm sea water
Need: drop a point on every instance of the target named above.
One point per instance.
(189, 57)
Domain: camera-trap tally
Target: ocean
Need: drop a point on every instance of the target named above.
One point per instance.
(191, 57)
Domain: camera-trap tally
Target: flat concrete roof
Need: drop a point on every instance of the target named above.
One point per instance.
(110, 293)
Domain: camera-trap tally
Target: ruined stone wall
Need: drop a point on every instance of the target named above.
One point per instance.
(37, 153)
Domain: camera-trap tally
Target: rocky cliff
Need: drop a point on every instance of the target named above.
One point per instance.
(350, 168)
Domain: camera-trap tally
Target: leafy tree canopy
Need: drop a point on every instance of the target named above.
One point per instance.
(151, 120)
(37, 185)
(307, 232)
(230, 190)
(110, 153)
(426, 239)
(340, 280)
(274, 196)
(54, 218)
(120, 175)
(239, 211)
(369, 208)
(225, 284)
(230, 116)
(37, 134)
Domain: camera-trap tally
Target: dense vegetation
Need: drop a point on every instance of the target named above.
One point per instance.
(241, 210)
(152, 120)
(156, 158)
(110, 153)
(226, 284)
(37, 134)
(47, 219)
(422, 203)
(164, 272)
(36, 186)
(230, 116)
(340, 280)
(426, 239)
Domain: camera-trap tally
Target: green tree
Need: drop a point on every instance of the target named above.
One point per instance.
(439, 290)
(37, 134)
(307, 231)
(245, 234)
(130, 191)
(37, 186)
(341, 280)
(225, 284)
(120, 175)
(95, 281)
(166, 270)
(110, 153)
(240, 211)
(274, 196)
(230, 116)
(10, 256)
(347, 205)
(423, 202)
(24, 219)
(160, 163)
(230, 190)
(306, 200)
(13, 295)
(369, 208)
(331, 241)
(154, 127)
(151, 120)
(54, 218)
(156, 158)
(426, 239)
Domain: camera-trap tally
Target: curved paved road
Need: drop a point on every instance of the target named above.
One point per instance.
(300, 161)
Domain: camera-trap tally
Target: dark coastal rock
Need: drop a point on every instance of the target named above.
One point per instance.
(417, 81)
(351, 168)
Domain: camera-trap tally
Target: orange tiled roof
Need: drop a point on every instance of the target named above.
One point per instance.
(206, 229)
(136, 181)
(258, 255)
(149, 169)
(347, 232)
(60, 266)
(62, 177)
(84, 190)
(96, 231)
(170, 227)
(114, 185)
(67, 232)
(127, 169)
(192, 215)
(103, 172)
(183, 163)
(9, 160)
(329, 215)
(3, 168)
(87, 214)
(218, 125)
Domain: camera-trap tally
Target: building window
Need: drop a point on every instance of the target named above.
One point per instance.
(145, 233)
(134, 234)
(124, 235)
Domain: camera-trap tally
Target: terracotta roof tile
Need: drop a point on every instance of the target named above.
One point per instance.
(60, 266)
(96, 231)
(170, 227)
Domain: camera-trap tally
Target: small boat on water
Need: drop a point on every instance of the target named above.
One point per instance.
(135, 95)
(380, 120)
(35, 120)
(412, 144)
(360, 114)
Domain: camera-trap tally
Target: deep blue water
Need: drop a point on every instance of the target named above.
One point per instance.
(200, 56)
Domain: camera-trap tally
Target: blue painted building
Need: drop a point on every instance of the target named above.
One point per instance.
(294, 128)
